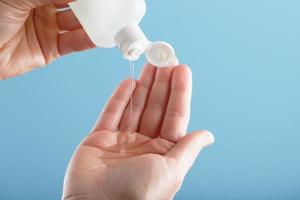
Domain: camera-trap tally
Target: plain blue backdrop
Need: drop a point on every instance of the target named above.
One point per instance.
(245, 57)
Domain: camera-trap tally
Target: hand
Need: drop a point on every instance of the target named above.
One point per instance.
(150, 155)
(33, 33)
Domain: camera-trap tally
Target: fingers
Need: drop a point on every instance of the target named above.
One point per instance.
(113, 111)
(177, 115)
(185, 152)
(73, 41)
(157, 102)
(62, 4)
(140, 96)
(36, 3)
(67, 21)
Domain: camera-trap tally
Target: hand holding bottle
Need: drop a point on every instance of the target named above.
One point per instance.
(33, 33)
(151, 154)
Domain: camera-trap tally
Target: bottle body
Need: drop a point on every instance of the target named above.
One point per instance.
(111, 23)
(103, 19)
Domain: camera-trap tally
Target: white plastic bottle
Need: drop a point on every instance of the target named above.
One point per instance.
(111, 23)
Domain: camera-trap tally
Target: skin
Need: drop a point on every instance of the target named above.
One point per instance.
(33, 33)
(148, 158)
(143, 156)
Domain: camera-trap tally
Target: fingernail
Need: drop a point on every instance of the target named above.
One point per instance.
(209, 139)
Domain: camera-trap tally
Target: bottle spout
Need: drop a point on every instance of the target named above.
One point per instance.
(132, 41)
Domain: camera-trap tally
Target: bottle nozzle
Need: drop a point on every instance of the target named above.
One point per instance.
(132, 41)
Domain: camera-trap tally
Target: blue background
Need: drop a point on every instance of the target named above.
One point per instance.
(245, 57)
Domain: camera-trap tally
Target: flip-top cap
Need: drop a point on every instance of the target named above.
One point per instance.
(161, 54)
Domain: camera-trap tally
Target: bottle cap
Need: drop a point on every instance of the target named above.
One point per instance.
(161, 54)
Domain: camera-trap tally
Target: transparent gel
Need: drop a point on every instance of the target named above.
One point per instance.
(132, 66)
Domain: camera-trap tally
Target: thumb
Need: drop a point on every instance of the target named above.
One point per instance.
(185, 152)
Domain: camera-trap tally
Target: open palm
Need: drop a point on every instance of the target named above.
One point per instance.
(33, 33)
(140, 155)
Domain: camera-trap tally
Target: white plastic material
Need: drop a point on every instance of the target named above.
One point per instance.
(132, 41)
(103, 19)
(116, 22)
(161, 54)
